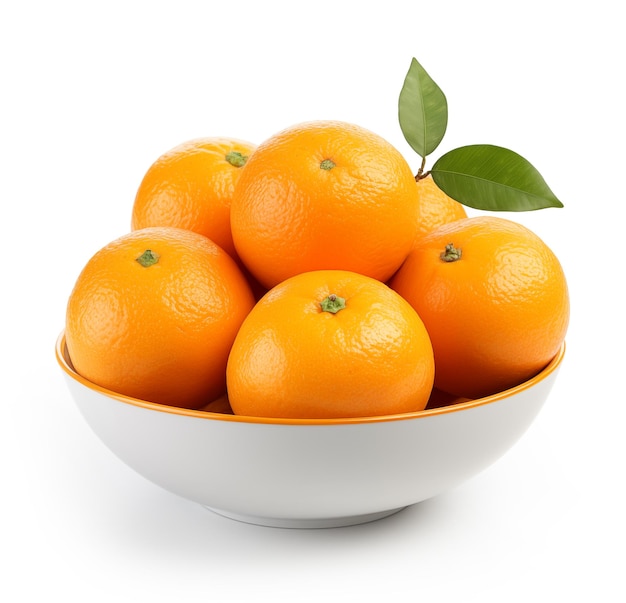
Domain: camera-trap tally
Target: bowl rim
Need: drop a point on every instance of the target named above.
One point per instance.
(64, 361)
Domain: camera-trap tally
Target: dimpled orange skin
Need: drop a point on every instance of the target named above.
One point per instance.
(160, 333)
(290, 215)
(497, 315)
(191, 186)
(292, 360)
(435, 208)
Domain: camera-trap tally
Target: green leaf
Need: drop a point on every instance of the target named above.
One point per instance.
(422, 111)
(492, 178)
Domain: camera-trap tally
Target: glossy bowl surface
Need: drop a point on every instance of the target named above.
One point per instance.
(308, 473)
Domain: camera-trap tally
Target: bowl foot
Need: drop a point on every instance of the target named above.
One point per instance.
(324, 522)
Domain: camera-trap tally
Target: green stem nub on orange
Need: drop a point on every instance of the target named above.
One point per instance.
(450, 253)
(327, 164)
(236, 159)
(333, 303)
(148, 258)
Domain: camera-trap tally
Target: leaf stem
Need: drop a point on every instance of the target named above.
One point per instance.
(420, 173)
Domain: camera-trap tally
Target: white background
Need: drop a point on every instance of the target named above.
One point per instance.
(92, 93)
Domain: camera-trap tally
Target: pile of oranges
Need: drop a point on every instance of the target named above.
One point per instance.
(311, 276)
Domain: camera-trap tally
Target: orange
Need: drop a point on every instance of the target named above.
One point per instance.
(435, 207)
(153, 315)
(191, 187)
(494, 299)
(330, 344)
(324, 195)
(220, 405)
(439, 399)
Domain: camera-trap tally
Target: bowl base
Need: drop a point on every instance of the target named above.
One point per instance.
(324, 522)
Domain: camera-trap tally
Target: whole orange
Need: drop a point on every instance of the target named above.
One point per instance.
(153, 315)
(434, 207)
(330, 344)
(191, 187)
(494, 299)
(324, 195)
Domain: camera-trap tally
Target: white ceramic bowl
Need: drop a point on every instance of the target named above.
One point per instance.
(308, 473)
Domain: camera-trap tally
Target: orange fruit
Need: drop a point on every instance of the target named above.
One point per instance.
(435, 208)
(191, 187)
(153, 315)
(330, 344)
(439, 399)
(220, 405)
(494, 299)
(324, 195)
